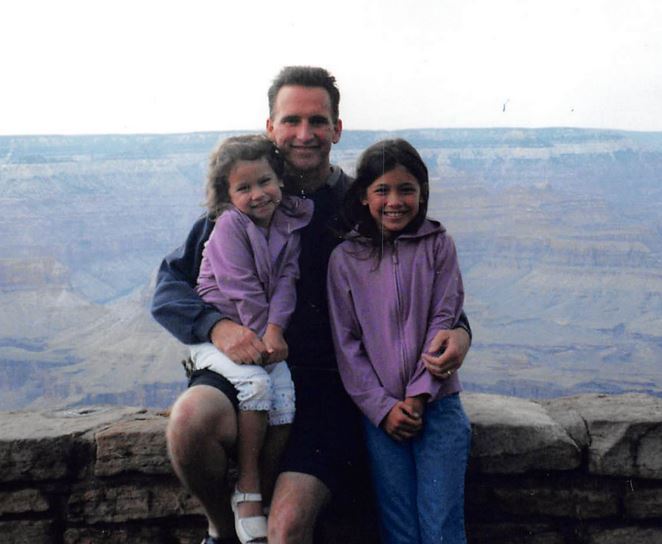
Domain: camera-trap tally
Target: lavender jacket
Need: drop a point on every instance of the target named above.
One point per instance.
(385, 315)
(249, 277)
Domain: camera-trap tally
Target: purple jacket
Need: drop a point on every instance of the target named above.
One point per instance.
(384, 315)
(249, 277)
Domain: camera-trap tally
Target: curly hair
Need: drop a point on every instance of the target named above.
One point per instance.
(305, 76)
(251, 147)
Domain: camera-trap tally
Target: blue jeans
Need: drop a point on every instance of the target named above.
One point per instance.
(420, 483)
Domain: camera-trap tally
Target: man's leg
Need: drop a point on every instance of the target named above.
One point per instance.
(201, 430)
(297, 501)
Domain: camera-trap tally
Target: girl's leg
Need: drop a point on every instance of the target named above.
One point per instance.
(442, 452)
(274, 446)
(281, 416)
(394, 478)
(253, 386)
(252, 430)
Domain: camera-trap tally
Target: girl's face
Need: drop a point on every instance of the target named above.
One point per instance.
(393, 199)
(254, 189)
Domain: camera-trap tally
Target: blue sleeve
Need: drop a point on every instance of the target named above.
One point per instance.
(176, 305)
(463, 323)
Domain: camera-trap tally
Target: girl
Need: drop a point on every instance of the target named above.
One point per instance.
(249, 270)
(393, 285)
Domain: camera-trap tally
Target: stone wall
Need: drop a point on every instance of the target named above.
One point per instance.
(584, 469)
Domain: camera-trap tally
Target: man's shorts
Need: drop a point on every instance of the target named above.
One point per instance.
(326, 439)
(207, 377)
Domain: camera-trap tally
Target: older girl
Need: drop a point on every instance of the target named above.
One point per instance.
(393, 285)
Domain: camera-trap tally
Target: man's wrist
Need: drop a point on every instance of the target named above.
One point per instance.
(463, 323)
(204, 326)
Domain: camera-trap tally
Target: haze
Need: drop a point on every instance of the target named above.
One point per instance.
(76, 67)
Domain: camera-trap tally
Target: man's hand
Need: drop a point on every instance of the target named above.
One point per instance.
(239, 343)
(403, 422)
(446, 352)
(275, 343)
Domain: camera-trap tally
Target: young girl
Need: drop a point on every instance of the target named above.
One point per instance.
(393, 285)
(249, 270)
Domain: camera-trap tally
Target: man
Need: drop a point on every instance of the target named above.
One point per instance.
(304, 123)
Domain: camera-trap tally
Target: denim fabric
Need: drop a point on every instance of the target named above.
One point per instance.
(420, 483)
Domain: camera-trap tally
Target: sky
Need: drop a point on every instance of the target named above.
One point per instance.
(143, 66)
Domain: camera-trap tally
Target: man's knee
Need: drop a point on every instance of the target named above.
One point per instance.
(200, 414)
(298, 499)
(287, 525)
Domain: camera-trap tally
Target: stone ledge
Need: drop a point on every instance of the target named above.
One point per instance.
(585, 469)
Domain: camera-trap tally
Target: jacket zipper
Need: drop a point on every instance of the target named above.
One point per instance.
(398, 291)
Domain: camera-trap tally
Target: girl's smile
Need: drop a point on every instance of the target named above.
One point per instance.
(254, 189)
(393, 199)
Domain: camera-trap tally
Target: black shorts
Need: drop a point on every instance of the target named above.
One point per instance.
(208, 377)
(326, 439)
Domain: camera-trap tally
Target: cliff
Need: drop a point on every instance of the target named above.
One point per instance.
(558, 231)
(584, 469)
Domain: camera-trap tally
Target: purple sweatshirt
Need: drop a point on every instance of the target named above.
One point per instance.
(384, 315)
(250, 273)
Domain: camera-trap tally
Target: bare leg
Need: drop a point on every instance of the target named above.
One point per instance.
(273, 448)
(201, 430)
(298, 500)
(252, 430)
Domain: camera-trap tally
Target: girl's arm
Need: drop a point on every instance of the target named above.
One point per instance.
(230, 257)
(356, 371)
(284, 297)
(445, 309)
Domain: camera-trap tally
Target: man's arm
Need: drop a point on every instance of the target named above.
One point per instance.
(176, 305)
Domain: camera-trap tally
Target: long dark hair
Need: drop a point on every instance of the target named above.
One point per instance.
(377, 160)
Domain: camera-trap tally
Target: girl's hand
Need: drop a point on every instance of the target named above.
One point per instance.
(275, 343)
(446, 352)
(417, 404)
(402, 422)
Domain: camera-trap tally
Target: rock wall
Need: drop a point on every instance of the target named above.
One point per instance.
(585, 469)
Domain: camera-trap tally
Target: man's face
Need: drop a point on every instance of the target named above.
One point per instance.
(302, 128)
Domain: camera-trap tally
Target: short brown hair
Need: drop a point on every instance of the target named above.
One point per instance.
(306, 76)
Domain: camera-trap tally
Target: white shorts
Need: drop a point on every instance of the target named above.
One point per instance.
(269, 388)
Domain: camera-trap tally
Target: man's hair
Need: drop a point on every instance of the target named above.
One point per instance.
(252, 147)
(305, 76)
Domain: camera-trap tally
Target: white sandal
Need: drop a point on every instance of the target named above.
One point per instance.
(252, 529)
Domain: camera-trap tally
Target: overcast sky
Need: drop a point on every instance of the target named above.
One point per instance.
(136, 66)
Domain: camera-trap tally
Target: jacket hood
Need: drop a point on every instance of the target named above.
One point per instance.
(427, 228)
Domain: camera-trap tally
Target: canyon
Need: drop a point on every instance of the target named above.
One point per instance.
(559, 234)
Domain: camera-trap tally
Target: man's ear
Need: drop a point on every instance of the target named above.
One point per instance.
(337, 131)
(270, 128)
